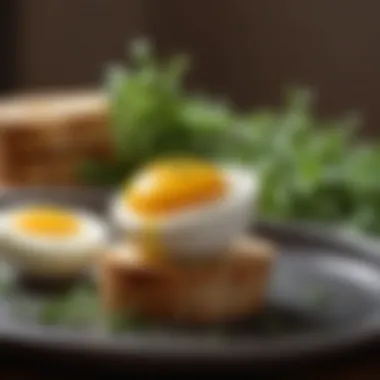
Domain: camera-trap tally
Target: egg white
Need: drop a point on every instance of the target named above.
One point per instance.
(196, 230)
(241, 185)
(52, 254)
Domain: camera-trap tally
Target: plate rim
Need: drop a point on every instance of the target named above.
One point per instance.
(170, 348)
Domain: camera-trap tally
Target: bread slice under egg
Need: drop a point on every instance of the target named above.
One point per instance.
(210, 292)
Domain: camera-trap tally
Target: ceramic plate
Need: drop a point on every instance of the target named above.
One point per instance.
(324, 295)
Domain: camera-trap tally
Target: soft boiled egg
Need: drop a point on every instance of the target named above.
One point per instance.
(185, 207)
(51, 241)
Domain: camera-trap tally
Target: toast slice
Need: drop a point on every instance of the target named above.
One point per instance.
(44, 138)
(208, 292)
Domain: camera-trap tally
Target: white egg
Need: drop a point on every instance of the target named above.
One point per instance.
(200, 231)
(50, 255)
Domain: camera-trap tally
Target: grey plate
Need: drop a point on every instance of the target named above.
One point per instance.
(324, 295)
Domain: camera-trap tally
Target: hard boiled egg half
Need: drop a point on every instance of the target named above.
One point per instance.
(50, 240)
(185, 207)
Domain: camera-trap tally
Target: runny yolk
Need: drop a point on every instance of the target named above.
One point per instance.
(150, 242)
(46, 221)
(169, 186)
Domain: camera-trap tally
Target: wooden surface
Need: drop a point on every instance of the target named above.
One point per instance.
(246, 50)
(362, 364)
(366, 373)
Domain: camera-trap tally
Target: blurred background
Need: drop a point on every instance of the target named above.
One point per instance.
(247, 50)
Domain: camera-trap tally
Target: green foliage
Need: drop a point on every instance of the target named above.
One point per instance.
(150, 113)
(309, 168)
(151, 116)
(78, 308)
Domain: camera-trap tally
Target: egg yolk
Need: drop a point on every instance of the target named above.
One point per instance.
(47, 222)
(169, 186)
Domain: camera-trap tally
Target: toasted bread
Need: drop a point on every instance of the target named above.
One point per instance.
(213, 292)
(44, 138)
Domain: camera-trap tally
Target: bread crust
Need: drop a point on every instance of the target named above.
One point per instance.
(217, 291)
(45, 138)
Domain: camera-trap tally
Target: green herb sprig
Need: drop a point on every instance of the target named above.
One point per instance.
(78, 308)
(309, 168)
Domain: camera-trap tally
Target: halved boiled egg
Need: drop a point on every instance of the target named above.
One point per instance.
(185, 206)
(50, 240)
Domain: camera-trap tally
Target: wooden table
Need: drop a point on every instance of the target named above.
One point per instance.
(363, 364)
(372, 372)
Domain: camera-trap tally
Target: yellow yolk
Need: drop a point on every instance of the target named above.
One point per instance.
(150, 243)
(169, 186)
(47, 222)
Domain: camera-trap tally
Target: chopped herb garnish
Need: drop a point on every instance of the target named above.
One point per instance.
(320, 296)
(52, 312)
(6, 286)
(79, 307)
(123, 322)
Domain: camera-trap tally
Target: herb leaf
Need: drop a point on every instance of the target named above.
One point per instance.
(310, 168)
